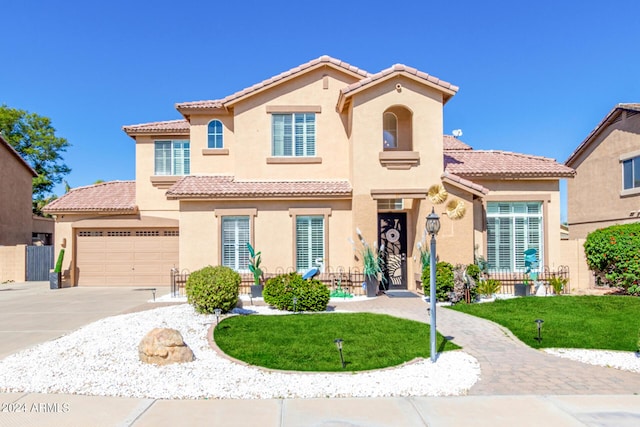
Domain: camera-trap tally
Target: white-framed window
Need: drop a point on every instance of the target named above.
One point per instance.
(236, 233)
(309, 241)
(512, 228)
(214, 134)
(631, 173)
(389, 130)
(172, 158)
(293, 135)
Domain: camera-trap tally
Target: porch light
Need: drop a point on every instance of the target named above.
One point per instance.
(432, 227)
(217, 312)
(338, 342)
(539, 322)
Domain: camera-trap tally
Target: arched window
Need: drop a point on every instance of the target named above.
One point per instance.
(214, 134)
(389, 130)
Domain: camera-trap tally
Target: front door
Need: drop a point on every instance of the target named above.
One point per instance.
(393, 235)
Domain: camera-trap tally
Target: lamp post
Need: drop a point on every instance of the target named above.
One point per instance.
(338, 343)
(433, 226)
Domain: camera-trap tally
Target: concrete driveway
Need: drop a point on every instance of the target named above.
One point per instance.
(31, 313)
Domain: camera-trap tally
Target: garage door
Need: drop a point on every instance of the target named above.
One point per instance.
(126, 257)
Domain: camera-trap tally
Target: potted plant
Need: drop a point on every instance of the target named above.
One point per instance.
(488, 288)
(558, 284)
(254, 266)
(55, 275)
(522, 289)
(372, 263)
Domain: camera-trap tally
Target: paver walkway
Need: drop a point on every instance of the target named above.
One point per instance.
(507, 365)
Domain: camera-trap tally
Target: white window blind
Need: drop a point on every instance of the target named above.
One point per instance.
(512, 228)
(235, 236)
(294, 134)
(309, 241)
(172, 158)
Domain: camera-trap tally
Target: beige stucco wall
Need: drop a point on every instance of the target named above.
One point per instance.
(545, 191)
(572, 255)
(13, 261)
(594, 195)
(15, 192)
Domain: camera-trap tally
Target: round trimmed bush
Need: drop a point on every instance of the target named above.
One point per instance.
(444, 280)
(213, 287)
(613, 254)
(312, 295)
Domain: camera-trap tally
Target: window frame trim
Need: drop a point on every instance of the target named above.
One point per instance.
(172, 160)
(209, 134)
(294, 213)
(221, 213)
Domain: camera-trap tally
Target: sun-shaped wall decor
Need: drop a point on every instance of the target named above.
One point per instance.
(437, 194)
(456, 209)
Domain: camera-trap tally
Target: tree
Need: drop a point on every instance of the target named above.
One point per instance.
(34, 138)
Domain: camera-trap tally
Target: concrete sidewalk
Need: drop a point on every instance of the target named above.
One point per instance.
(497, 411)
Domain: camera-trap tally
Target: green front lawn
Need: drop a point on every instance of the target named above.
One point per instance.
(598, 322)
(305, 342)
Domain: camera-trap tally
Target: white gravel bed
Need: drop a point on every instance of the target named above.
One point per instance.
(623, 360)
(102, 359)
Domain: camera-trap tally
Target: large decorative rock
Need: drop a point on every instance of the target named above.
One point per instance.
(163, 346)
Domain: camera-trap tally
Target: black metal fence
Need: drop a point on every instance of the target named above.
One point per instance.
(349, 280)
(509, 279)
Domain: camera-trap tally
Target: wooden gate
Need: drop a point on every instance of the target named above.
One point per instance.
(39, 262)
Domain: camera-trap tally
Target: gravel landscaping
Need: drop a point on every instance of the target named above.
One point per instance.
(102, 359)
(624, 360)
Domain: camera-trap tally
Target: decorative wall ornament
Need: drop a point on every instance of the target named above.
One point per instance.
(437, 194)
(456, 209)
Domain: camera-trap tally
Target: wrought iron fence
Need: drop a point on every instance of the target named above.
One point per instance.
(509, 279)
(349, 280)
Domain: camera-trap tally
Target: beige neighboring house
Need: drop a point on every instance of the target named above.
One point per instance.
(606, 189)
(294, 165)
(18, 226)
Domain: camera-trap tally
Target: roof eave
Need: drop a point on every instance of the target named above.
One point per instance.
(206, 197)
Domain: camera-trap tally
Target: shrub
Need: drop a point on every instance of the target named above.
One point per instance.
(489, 287)
(474, 271)
(558, 284)
(213, 287)
(613, 254)
(312, 295)
(444, 280)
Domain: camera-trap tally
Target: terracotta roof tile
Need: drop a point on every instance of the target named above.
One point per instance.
(465, 182)
(400, 68)
(113, 196)
(450, 142)
(170, 126)
(607, 119)
(219, 103)
(490, 163)
(227, 186)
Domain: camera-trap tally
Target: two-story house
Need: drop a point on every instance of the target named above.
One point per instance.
(606, 189)
(295, 165)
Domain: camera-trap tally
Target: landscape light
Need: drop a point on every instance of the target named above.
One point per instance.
(338, 343)
(539, 322)
(217, 312)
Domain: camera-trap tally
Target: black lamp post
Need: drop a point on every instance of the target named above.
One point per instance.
(433, 226)
(338, 343)
(217, 312)
(539, 322)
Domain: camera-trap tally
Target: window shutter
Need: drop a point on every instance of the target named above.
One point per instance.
(235, 236)
(309, 241)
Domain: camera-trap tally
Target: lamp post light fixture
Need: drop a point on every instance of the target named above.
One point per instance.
(433, 226)
(338, 343)
(539, 322)
(217, 312)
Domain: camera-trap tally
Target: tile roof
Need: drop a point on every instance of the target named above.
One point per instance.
(399, 68)
(607, 119)
(503, 164)
(113, 196)
(219, 103)
(450, 142)
(170, 126)
(464, 183)
(228, 187)
(17, 155)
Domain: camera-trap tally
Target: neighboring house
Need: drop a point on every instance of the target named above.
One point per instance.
(294, 165)
(606, 189)
(16, 218)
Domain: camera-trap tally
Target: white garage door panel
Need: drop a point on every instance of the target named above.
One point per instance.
(122, 258)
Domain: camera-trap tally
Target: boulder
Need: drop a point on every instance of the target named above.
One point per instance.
(163, 346)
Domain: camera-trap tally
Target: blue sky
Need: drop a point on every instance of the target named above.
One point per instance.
(534, 77)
